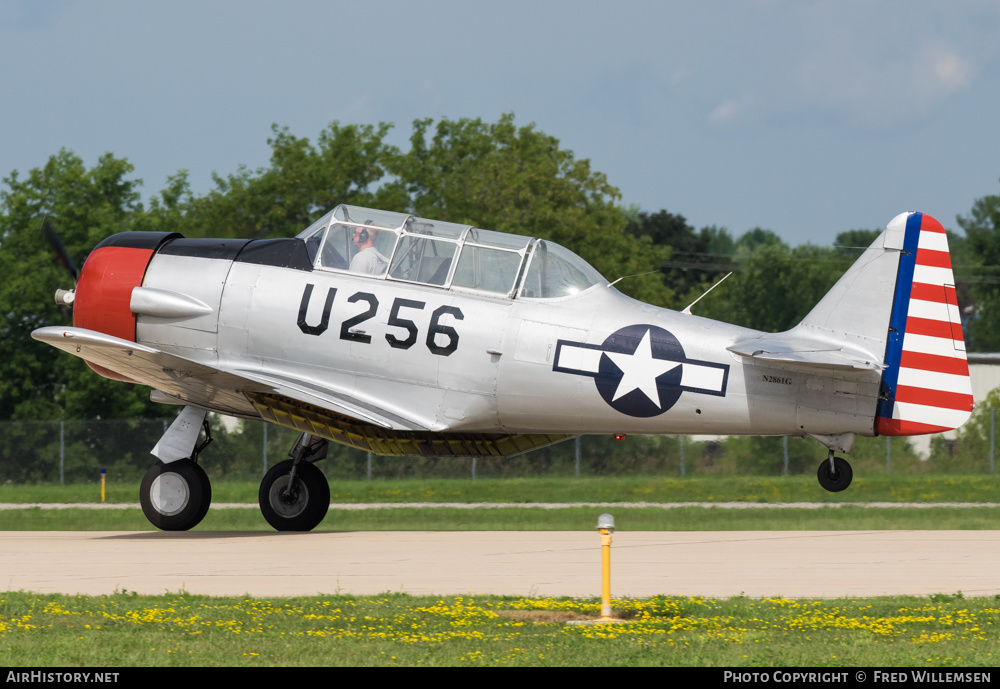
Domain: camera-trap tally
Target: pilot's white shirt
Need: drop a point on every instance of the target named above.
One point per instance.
(369, 261)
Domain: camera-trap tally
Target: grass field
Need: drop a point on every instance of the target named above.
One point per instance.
(183, 630)
(512, 501)
(902, 488)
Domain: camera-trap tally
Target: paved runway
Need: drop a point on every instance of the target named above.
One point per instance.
(828, 564)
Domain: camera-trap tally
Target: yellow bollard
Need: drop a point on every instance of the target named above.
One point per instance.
(103, 474)
(606, 527)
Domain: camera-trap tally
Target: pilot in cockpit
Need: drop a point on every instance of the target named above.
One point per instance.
(368, 259)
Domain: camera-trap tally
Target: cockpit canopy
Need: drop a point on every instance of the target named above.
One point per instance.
(401, 247)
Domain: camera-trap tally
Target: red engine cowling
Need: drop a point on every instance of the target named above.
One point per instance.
(104, 290)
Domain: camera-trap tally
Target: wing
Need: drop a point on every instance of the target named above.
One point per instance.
(239, 392)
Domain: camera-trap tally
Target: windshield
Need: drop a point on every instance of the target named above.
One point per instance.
(557, 272)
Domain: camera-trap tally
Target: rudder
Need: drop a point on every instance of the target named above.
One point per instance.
(925, 385)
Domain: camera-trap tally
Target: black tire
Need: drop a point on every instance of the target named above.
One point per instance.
(305, 508)
(175, 496)
(840, 478)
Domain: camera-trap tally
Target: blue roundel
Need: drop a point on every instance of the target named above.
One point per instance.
(640, 370)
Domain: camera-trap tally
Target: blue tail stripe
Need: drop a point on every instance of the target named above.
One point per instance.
(900, 311)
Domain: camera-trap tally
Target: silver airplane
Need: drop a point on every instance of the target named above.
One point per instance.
(407, 336)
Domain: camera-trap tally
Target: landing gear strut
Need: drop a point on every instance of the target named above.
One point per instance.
(175, 496)
(294, 494)
(835, 473)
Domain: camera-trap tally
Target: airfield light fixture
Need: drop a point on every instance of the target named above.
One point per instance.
(606, 521)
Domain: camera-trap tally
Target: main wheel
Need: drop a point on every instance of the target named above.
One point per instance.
(294, 508)
(175, 496)
(839, 479)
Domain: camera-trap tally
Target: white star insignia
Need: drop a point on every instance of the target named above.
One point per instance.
(640, 370)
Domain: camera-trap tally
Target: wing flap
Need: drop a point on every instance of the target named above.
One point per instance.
(310, 393)
(396, 443)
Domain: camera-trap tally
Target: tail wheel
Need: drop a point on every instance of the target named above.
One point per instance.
(837, 480)
(175, 496)
(294, 507)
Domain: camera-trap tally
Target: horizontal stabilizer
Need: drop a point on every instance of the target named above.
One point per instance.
(786, 351)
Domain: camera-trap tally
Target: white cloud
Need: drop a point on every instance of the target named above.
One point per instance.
(872, 65)
(952, 72)
(730, 111)
(881, 90)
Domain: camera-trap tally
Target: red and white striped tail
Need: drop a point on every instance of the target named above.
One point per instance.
(925, 384)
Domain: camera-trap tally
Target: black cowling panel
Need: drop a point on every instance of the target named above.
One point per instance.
(225, 249)
(283, 253)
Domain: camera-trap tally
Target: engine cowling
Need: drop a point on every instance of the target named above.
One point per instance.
(114, 268)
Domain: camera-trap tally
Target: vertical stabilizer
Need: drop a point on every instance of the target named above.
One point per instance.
(925, 385)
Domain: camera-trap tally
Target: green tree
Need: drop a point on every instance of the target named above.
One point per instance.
(850, 244)
(518, 179)
(752, 240)
(982, 231)
(85, 206)
(168, 210)
(303, 181)
(696, 260)
(495, 176)
(969, 452)
(776, 286)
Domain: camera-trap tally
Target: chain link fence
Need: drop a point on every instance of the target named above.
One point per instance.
(75, 451)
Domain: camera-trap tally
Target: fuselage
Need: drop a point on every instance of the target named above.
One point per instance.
(592, 362)
(449, 330)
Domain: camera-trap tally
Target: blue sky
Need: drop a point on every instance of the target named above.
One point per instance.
(804, 117)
